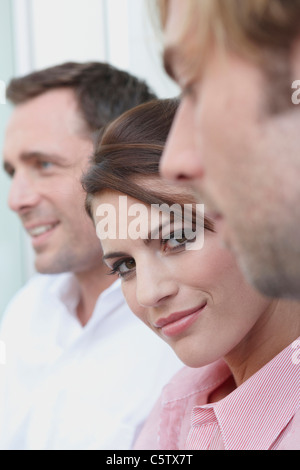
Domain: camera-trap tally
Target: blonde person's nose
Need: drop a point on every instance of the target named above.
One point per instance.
(23, 194)
(180, 160)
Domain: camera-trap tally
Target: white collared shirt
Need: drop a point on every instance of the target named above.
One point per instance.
(65, 386)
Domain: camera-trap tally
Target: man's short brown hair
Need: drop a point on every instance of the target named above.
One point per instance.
(103, 92)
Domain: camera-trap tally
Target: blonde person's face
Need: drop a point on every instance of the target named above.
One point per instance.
(242, 160)
(194, 299)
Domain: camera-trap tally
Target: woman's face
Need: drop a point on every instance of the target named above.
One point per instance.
(195, 299)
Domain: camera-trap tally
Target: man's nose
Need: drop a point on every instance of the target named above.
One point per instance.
(23, 194)
(155, 284)
(181, 160)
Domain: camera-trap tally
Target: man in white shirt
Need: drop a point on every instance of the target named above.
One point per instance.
(81, 371)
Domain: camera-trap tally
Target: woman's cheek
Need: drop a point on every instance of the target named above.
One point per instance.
(129, 292)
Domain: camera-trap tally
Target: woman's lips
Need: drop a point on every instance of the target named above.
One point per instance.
(178, 322)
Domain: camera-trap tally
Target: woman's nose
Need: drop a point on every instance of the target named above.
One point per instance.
(155, 284)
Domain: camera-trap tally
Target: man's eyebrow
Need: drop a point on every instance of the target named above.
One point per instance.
(39, 156)
(26, 156)
(34, 155)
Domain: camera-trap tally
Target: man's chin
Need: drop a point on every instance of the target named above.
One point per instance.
(44, 265)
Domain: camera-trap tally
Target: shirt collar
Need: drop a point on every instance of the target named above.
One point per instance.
(65, 289)
(253, 416)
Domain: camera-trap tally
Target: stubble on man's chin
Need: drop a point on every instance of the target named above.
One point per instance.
(60, 264)
(69, 261)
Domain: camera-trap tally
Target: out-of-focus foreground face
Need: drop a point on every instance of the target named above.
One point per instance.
(195, 299)
(242, 160)
(46, 150)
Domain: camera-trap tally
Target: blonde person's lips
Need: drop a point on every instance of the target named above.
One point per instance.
(40, 232)
(178, 322)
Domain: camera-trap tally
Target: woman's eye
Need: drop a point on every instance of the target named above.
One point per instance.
(127, 265)
(174, 242)
(123, 267)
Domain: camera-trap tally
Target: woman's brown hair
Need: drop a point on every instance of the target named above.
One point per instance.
(129, 153)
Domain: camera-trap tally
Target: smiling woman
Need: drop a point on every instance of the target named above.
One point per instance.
(194, 299)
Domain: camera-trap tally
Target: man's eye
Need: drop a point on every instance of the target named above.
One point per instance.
(45, 165)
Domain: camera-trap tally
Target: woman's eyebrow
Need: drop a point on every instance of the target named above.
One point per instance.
(155, 234)
(114, 254)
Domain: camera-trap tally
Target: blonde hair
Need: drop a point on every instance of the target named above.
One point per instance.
(247, 26)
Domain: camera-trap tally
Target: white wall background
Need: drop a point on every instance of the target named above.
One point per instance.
(117, 31)
(11, 236)
(48, 32)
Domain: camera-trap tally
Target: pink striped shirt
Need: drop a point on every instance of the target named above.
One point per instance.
(261, 414)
